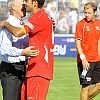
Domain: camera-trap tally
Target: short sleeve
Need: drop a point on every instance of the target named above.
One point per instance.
(79, 31)
(34, 26)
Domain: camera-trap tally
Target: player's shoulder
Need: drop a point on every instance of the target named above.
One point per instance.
(81, 23)
(96, 20)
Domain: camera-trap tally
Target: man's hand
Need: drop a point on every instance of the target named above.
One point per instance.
(85, 64)
(30, 51)
(2, 23)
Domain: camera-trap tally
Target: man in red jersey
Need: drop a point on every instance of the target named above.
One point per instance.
(86, 38)
(40, 68)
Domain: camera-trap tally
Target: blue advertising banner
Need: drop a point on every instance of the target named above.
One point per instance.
(64, 46)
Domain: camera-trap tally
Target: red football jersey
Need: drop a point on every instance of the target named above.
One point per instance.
(40, 30)
(89, 34)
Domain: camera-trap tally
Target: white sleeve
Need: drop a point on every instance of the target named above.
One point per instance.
(6, 45)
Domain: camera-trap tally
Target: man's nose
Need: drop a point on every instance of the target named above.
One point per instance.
(24, 2)
(87, 14)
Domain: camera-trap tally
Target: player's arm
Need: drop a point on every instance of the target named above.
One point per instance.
(18, 32)
(82, 56)
(78, 46)
(99, 48)
(78, 40)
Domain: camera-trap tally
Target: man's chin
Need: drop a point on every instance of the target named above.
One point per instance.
(89, 19)
(27, 10)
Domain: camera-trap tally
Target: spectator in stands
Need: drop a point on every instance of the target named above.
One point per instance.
(62, 4)
(73, 16)
(52, 11)
(62, 23)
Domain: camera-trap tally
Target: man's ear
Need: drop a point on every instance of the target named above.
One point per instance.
(35, 3)
(95, 12)
(12, 7)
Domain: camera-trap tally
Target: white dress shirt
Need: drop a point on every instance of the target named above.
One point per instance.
(11, 46)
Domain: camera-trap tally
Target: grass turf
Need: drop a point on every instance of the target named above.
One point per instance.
(65, 85)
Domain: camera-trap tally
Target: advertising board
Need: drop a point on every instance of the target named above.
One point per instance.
(64, 46)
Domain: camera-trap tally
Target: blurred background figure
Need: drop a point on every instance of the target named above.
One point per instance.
(62, 25)
(3, 10)
(73, 17)
(73, 9)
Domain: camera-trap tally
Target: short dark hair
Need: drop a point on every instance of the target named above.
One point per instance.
(40, 3)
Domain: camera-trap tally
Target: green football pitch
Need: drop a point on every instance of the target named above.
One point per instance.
(65, 85)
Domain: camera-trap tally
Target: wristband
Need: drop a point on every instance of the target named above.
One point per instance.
(82, 56)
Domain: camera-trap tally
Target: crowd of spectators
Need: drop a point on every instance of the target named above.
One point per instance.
(66, 14)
